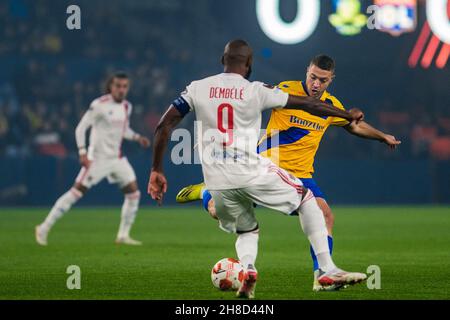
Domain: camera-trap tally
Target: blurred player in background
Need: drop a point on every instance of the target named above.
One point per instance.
(299, 134)
(108, 118)
(229, 108)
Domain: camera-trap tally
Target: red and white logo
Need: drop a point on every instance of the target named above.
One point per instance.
(434, 39)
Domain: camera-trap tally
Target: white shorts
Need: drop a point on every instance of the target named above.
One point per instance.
(115, 170)
(275, 189)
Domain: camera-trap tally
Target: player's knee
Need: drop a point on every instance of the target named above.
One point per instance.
(130, 188)
(253, 231)
(79, 187)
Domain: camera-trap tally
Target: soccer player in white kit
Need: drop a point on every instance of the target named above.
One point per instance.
(228, 109)
(108, 118)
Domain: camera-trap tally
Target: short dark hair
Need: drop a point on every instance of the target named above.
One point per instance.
(115, 75)
(324, 62)
(236, 52)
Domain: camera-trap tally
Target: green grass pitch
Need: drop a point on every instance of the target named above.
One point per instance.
(181, 244)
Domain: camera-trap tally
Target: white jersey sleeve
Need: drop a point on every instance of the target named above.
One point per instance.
(85, 123)
(270, 97)
(185, 103)
(129, 134)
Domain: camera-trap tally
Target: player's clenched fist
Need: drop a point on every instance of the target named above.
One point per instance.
(157, 186)
(356, 114)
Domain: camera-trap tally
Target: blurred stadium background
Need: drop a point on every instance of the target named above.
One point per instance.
(49, 75)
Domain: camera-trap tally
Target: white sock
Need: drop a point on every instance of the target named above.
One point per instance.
(247, 248)
(61, 206)
(129, 209)
(325, 261)
(314, 227)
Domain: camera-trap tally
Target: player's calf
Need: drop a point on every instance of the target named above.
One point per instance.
(61, 206)
(313, 224)
(327, 213)
(129, 210)
(247, 251)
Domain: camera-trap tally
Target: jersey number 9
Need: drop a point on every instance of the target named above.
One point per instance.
(228, 108)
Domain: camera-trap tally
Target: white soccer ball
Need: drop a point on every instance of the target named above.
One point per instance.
(227, 274)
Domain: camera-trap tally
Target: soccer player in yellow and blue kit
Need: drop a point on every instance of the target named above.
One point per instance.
(293, 138)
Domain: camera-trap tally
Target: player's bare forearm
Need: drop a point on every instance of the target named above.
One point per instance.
(366, 131)
(131, 135)
(157, 185)
(162, 133)
(317, 107)
(159, 148)
(143, 141)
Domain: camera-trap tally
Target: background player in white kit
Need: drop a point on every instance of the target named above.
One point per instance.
(108, 118)
(229, 108)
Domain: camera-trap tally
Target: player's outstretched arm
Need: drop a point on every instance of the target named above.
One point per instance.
(365, 130)
(157, 184)
(320, 109)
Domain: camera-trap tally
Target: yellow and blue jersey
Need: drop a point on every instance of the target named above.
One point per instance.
(293, 136)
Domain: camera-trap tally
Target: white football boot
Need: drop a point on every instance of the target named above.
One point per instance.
(128, 241)
(318, 287)
(41, 235)
(340, 277)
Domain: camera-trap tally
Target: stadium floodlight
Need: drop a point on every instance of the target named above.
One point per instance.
(438, 19)
(304, 24)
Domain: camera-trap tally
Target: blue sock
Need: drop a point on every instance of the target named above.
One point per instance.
(313, 255)
(206, 197)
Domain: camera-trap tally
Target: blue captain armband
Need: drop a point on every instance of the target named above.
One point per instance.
(182, 106)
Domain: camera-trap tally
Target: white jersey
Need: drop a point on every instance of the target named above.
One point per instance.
(109, 123)
(228, 110)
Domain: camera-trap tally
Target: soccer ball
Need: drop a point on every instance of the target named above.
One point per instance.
(227, 274)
